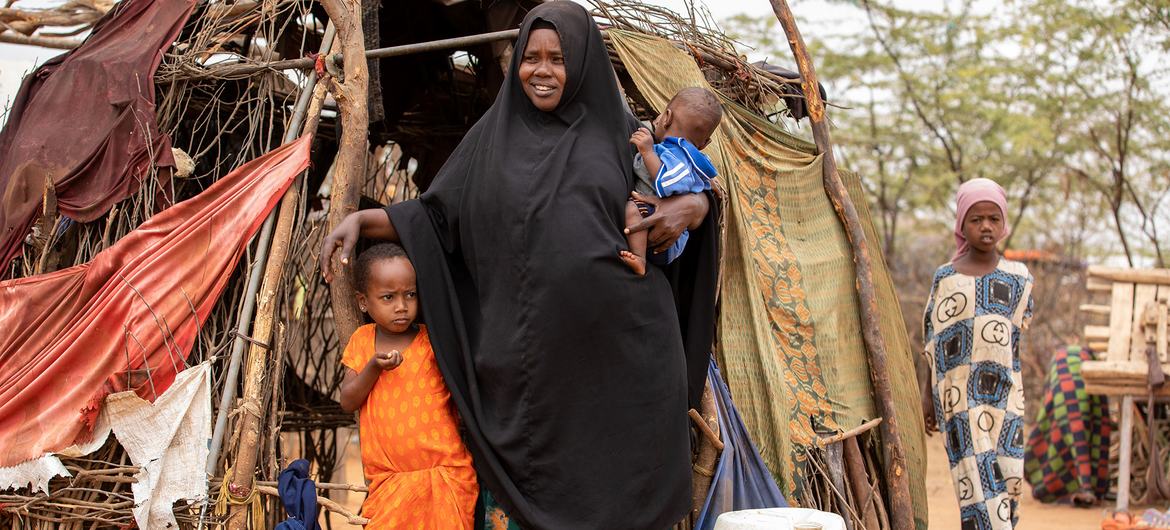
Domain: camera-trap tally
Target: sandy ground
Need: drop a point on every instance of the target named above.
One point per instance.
(944, 510)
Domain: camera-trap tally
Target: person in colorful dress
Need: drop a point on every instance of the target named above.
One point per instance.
(419, 472)
(979, 305)
(1068, 450)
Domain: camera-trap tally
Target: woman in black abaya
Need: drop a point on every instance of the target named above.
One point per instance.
(570, 372)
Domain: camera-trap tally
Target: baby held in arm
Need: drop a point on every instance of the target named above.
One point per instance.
(670, 162)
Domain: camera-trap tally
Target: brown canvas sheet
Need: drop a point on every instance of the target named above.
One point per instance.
(85, 122)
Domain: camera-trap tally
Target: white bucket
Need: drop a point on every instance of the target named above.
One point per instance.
(777, 519)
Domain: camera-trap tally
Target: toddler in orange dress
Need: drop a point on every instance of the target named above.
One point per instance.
(418, 470)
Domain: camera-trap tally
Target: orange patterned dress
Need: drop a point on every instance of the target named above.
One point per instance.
(418, 470)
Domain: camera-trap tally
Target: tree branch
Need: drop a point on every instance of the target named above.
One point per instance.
(58, 43)
(953, 158)
(350, 165)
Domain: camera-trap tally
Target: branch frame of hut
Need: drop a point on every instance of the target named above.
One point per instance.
(226, 91)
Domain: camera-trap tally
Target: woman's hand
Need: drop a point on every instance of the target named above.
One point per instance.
(345, 236)
(672, 216)
(374, 224)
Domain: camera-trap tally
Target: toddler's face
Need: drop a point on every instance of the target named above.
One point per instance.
(391, 297)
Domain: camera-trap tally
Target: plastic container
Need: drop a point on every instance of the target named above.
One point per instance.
(778, 519)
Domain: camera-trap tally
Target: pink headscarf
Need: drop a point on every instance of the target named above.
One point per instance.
(971, 192)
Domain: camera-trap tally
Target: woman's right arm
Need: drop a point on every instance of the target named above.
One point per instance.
(370, 224)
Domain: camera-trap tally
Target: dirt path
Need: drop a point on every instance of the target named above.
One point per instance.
(944, 509)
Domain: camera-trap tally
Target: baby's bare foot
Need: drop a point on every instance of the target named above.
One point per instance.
(635, 262)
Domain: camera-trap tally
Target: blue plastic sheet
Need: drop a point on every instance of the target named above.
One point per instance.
(741, 481)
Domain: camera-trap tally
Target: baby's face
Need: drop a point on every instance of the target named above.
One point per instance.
(660, 124)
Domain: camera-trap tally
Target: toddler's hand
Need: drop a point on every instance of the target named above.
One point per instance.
(388, 361)
(642, 139)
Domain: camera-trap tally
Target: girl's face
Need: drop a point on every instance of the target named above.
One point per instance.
(983, 226)
(542, 69)
(391, 297)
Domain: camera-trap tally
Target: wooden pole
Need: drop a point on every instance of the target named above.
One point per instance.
(1125, 454)
(863, 493)
(325, 502)
(710, 446)
(302, 108)
(1116, 274)
(835, 458)
(901, 509)
(251, 408)
(350, 165)
(851, 433)
(248, 69)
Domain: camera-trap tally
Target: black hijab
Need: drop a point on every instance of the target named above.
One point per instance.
(568, 371)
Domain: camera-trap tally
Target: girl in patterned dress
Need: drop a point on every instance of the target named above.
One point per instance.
(419, 472)
(979, 304)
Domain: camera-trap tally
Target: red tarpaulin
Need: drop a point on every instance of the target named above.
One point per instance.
(85, 121)
(127, 319)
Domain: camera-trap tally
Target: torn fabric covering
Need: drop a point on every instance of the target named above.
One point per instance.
(34, 474)
(789, 344)
(127, 319)
(85, 122)
(166, 439)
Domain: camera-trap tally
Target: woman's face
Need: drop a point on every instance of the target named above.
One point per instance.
(983, 226)
(542, 69)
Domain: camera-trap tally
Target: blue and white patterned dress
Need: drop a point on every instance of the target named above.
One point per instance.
(972, 331)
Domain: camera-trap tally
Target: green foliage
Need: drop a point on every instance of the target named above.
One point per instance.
(1062, 102)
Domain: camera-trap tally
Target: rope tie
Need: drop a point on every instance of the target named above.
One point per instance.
(228, 497)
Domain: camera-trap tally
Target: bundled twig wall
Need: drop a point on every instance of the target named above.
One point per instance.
(222, 121)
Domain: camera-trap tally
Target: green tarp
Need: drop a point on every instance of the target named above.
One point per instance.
(789, 342)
